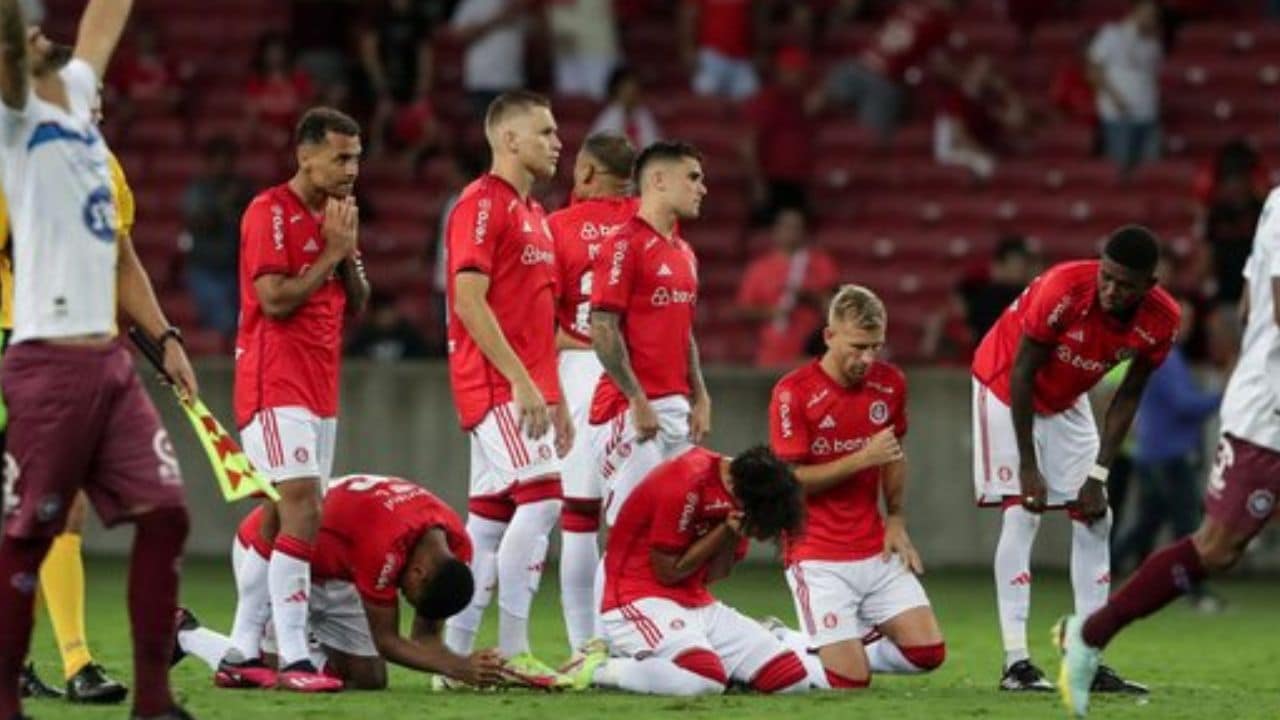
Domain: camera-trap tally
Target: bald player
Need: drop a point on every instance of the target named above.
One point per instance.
(502, 369)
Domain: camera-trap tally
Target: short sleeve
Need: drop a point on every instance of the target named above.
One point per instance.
(1102, 45)
(476, 224)
(788, 433)
(262, 245)
(1046, 309)
(613, 274)
(674, 504)
(82, 85)
(1268, 237)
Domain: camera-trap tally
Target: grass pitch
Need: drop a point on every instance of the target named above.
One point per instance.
(1199, 668)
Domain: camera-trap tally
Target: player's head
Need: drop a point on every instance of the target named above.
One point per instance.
(436, 583)
(1127, 270)
(671, 173)
(768, 493)
(856, 321)
(603, 166)
(790, 228)
(45, 56)
(520, 127)
(1145, 15)
(328, 150)
(1012, 260)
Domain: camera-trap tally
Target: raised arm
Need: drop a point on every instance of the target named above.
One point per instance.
(13, 55)
(101, 26)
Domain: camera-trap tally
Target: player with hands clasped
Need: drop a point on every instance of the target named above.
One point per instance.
(852, 573)
(1036, 446)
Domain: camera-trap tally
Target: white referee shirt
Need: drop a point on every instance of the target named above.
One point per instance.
(58, 185)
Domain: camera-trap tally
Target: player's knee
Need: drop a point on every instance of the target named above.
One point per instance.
(580, 515)
(707, 673)
(367, 676)
(1218, 551)
(784, 673)
(926, 657)
(840, 681)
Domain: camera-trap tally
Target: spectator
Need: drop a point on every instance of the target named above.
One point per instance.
(212, 206)
(954, 331)
(1071, 92)
(778, 147)
(386, 336)
(321, 37)
(979, 118)
(785, 291)
(626, 112)
(718, 43)
(584, 40)
(1230, 189)
(395, 52)
(1124, 66)
(494, 34)
(875, 81)
(1170, 436)
(148, 78)
(276, 94)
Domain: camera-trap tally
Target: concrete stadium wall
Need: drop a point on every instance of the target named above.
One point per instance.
(399, 420)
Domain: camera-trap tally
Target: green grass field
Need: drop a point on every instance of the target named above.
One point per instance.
(1227, 666)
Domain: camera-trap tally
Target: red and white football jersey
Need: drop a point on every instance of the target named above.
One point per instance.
(679, 502)
(368, 528)
(578, 232)
(492, 231)
(295, 360)
(651, 282)
(1061, 308)
(814, 420)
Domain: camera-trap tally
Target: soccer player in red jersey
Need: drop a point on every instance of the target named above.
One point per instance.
(1036, 446)
(683, 528)
(602, 204)
(839, 420)
(502, 369)
(299, 271)
(1240, 497)
(651, 403)
(377, 535)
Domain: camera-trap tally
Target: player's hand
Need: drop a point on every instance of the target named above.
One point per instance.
(535, 416)
(700, 418)
(734, 523)
(564, 429)
(341, 227)
(1034, 493)
(897, 542)
(179, 368)
(484, 668)
(645, 419)
(1091, 502)
(882, 449)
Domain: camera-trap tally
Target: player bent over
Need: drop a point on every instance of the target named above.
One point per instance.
(682, 528)
(838, 420)
(1240, 498)
(377, 535)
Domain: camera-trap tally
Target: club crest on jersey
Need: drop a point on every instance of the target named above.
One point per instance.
(677, 625)
(830, 621)
(99, 214)
(1261, 503)
(879, 412)
(301, 455)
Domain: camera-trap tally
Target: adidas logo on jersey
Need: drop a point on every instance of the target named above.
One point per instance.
(664, 271)
(827, 423)
(1077, 335)
(527, 227)
(311, 246)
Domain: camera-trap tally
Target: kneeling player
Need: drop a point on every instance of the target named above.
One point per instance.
(377, 535)
(838, 419)
(682, 527)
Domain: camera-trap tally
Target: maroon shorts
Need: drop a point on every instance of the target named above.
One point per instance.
(79, 419)
(1242, 490)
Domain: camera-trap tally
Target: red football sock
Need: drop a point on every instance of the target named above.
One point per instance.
(19, 575)
(153, 600)
(1166, 575)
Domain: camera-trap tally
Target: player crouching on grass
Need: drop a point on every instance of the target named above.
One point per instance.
(682, 528)
(377, 535)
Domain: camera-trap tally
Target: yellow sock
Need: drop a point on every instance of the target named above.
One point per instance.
(62, 579)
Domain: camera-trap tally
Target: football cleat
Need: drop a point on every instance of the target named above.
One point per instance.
(525, 670)
(182, 620)
(303, 677)
(444, 683)
(91, 684)
(31, 686)
(1107, 680)
(1079, 669)
(244, 675)
(1023, 676)
(593, 654)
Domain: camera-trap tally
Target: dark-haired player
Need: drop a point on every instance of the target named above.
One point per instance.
(601, 204)
(1241, 495)
(1036, 446)
(651, 403)
(378, 535)
(838, 420)
(682, 528)
(299, 271)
